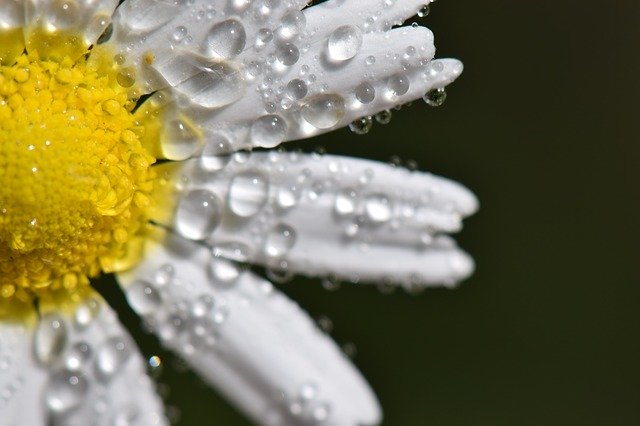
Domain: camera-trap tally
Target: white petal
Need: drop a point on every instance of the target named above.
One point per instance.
(326, 215)
(74, 369)
(247, 339)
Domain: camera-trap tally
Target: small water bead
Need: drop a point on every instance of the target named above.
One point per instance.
(378, 208)
(180, 140)
(112, 356)
(164, 275)
(345, 202)
(65, 391)
(226, 39)
(77, 356)
(224, 272)
(86, 312)
(202, 306)
(424, 11)
(288, 197)
(370, 60)
(263, 38)
(232, 250)
(288, 54)
(280, 273)
(435, 97)
(216, 153)
(324, 111)
(199, 212)
(384, 117)
(280, 240)
(361, 126)
(365, 93)
(143, 297)
(268, 131)
(50, 338)
(126, 77)
(398, 84)
(344, 43)
(292, 24)
(179, 34)
(248, 193)
(296, 89)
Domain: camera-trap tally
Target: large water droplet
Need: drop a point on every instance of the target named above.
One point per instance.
(226, 39)
(365, 93)
(398, 84)
(296, 89)
(198, 214)
(180, 140)
(143, 297)
(344, 43)
(268, 131)
(65, 391)
(292, 24)
(378, 208)
(224, 272)
(324, 111)
(248, 193)
(280, 240)
(112, 356)
(345, 203)
(288, 54)
(49, 339)
(435, 97)
(216, 153)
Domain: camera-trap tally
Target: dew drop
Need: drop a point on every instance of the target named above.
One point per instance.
(248, 193)
(324, 111)
(292, 24)
(384, 117)
(365, 93)
(65, 391)
(199, 213)
(268, 131)
(112, 356)
(378, 208)
(280, 240)
(226, 39)
(86, 312)
(344, 43)
(216, 153)
(296, 89)
(398, 84)
(345, 203)
(361, 126)
(435, 97)
(224, 272)
(77, 356)
(143, 297)
(49, 339)
(179, 140)
(288, 54)
(424, 11)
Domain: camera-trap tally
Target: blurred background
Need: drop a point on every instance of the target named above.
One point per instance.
(542, 126)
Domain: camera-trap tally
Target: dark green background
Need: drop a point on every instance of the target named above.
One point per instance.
(543, 127)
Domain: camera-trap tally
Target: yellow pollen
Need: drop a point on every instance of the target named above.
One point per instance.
(75, 179)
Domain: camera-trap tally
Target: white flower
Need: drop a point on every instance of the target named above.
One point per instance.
(92, 92)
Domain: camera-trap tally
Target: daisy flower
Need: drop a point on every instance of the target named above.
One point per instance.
(126, 138)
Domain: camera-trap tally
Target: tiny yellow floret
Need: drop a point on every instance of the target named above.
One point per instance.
(75, 180)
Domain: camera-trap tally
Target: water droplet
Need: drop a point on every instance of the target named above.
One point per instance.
(65, 391)
(324, 111)
(49, 339)
(180, 140)
(384, 117)
(86, 312)
(263, 38)
(164, 275)
(248, 193)
(268, 131)
(321, 412)
(224, 272)
(143, 297)
(280, 240)
(232, 250)
(77, 356)
(288, 197)
(344, 43)
(226, 39)
(345, 203)
(365, 93)
(361, 126)
(398, 84)
(378, 208)
(424, 11)
(292, 24)
(288, 54)
(179, 34)
(199, 213)
(216, 153)
(112, 356)
(296, 89)
(435, 97)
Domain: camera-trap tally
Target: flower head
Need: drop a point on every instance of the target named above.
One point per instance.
(94, 92)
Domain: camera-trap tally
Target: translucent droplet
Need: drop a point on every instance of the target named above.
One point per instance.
(321, 412)
(424, 11)
(324, 111)
(50, 338)
(344, 43)
(77, 356)
(384, 117)
(179, 34)
(288, 197)
(199, 213)
(296, 89)
(180, 140)
(361, 126)
(112, 356)
(65, 391)
(292, 24)
(435, 97)
(280, 240)
(288, 54)
(398, 84)
(164, 275)
(216, 153)
(226, 39)
(268, 131)
(378, 208)
(345, 203)
(86, 312)
(365, 93)
(248, 193)
(263, 38)
(224, 272)
(143, 297)
(232, 250)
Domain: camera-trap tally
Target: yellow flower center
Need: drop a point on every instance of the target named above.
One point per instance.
(75, 179)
